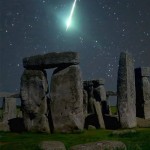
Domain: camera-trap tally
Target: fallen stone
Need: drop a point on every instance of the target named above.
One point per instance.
(90, 127)
(66, 94)
(123, 132)
(51, 60)
(34, 88)
(52, 145)
(102, 145)
(126, 92)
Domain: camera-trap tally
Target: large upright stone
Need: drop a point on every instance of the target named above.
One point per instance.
(94, 111)
(51, 60)
(98, 111)
(85, 102)
(126, 91)
(9, 109)
(142, 76)
(88, 87)
(99, 90)
(34, 88)
(66, 94)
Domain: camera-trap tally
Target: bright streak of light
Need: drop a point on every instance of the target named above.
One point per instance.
(71, 14)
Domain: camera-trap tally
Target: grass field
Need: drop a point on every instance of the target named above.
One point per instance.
(29, 141)
(114, 110)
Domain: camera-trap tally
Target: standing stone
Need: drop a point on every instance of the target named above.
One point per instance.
(99, 114)
(94, 116)
(100, 95)
(91, 99)
(66, 94)
(85, 102)
(142, 76)
(99, 90)
(9, 109)
(34, 88)
(126, 91)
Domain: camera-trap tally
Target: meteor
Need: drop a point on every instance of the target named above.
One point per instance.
(71, 14)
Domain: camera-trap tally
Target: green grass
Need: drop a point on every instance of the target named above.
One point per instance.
(29, 141)
(113, 110)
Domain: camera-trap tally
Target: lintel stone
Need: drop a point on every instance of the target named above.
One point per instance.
(51, 60)
(143, 71)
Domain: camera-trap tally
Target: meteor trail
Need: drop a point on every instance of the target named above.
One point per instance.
(71, 14)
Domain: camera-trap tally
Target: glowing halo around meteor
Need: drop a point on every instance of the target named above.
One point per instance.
(71, 14)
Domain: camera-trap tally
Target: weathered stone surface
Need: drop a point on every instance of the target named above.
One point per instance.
(126, 91)
(123, 132)
(95, 89)
(66, 94)
(95, 118)
(100, 93)
(88, 88)
(9, 95)
(34, 88)
(51, 60)
(96, 93)
(9, 109)
(102, 145)
(147, 110)
(4, 126)
(90, 127)
(143, 123)
(52, 145)
(98, 110)
(143, 71)
(142, 95)
(85, 102)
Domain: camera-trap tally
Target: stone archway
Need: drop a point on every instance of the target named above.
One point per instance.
(66, 93)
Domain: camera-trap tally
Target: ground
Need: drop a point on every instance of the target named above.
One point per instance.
(138, 140)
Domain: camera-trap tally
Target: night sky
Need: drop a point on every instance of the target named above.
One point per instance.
(100, 30)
